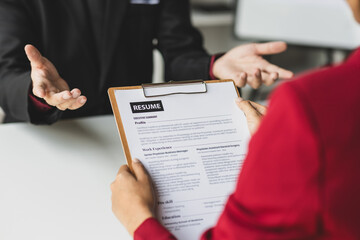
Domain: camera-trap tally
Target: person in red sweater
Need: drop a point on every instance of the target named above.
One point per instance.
(302, 173)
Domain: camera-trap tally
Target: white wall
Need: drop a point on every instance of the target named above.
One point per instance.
(321, 23)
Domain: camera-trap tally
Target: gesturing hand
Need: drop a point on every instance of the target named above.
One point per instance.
(244, 64)
(254, 113)
(48, 84)
(132, 196)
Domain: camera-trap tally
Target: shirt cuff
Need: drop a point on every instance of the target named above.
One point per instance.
(152, 229)
(212, 61)
(38, 104)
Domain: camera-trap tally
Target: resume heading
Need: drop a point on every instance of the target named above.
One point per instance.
(142, 107)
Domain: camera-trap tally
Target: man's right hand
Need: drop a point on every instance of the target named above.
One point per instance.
(48, 85)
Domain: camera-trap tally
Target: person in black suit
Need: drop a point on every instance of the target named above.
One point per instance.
(91, 45)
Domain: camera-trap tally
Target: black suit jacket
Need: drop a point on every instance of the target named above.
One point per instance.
(62, 30)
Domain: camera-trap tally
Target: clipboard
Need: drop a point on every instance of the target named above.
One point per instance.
(192, 139)
(158, 90)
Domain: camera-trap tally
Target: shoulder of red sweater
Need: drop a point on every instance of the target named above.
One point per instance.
(327, 81)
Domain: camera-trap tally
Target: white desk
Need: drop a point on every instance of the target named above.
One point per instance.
(55, 180)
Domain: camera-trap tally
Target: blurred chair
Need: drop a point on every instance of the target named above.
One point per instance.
(2, 115)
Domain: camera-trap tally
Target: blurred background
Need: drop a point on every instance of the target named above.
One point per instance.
(317, 32)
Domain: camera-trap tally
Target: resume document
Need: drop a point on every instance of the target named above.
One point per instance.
(192, 145)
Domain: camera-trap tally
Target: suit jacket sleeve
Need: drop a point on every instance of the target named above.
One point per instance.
(180, 43)
(17, 28)
(278, 191)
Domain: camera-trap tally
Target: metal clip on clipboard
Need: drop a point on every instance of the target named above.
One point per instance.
(172, 88)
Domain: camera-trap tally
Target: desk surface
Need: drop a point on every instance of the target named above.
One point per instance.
(55, 180)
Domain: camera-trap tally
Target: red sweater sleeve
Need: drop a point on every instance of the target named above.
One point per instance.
(277, 195)
(212, 61)
(38, 105)
(152, 229)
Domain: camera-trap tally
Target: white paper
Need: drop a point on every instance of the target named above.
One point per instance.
(193, 150)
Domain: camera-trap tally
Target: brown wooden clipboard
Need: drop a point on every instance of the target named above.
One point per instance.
(117, 115)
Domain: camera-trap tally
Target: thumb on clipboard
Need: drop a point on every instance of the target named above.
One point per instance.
(254, 113)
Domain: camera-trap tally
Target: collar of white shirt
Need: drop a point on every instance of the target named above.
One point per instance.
(147, 2)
